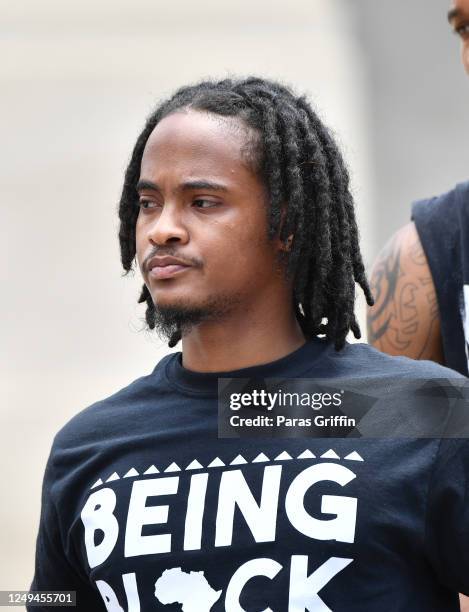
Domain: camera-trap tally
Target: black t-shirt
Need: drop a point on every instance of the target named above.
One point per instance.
(144, 508)
(443, 227)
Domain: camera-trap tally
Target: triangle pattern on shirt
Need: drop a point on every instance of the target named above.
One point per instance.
(130, 473)
(260, 458)
(98, 483)
(194, 465)
(152, 470)
(284, 456)
(238, 460)
(354, 456)
(330, 454)
(306, 454)
(216, 463)
(114, 476)
(173, 468)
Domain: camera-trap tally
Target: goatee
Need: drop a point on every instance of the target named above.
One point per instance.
(174, 318)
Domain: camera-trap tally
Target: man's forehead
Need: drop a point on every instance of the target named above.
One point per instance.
(199, 132)
(202, 123)
(202, 138)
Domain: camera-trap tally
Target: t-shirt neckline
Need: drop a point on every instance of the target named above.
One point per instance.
(292, 365)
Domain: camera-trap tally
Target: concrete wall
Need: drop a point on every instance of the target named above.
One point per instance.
(419, 99)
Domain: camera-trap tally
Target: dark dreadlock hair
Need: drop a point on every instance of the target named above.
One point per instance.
(303, 169)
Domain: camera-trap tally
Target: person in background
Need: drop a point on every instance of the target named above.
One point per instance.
(420, 280)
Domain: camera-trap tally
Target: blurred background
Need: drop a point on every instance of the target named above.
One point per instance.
(78, 80)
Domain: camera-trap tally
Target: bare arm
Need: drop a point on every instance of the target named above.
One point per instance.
(405, 318)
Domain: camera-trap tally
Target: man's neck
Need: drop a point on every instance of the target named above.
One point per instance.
(240, 343)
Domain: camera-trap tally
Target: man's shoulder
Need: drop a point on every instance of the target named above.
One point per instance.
(365, 360)
(113, 412)
(455, 200)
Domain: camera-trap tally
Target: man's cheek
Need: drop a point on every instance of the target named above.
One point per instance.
(465, 57)
(139, 246)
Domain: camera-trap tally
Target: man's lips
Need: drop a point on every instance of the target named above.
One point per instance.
(166, 267)
(159, 272)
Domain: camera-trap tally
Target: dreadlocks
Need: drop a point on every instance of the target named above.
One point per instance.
(303, 169)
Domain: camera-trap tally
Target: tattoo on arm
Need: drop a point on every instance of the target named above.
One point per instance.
(405, 318)
(383, 286)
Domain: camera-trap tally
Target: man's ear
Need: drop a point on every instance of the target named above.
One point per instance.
(286, 245)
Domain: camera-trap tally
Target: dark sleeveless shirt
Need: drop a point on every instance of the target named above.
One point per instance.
(442, 224)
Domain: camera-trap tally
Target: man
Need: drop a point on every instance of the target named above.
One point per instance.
(421, 278)
(237, 208)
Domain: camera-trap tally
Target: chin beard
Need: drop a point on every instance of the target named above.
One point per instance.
(181, 319)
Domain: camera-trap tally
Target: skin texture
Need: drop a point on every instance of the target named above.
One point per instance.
(405, 318)
(458, 18)
(236, 273)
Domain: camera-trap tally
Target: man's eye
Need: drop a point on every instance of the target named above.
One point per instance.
(146, 204)
(203, 203)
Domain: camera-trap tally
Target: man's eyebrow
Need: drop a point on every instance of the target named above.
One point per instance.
(143, 184)
(203, 184)
(186, 186)
(453, 13)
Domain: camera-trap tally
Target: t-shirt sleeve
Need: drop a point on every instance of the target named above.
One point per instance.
(447, 524)
(54, 571)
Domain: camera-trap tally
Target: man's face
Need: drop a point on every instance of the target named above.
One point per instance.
(202, 204)
(458, 17)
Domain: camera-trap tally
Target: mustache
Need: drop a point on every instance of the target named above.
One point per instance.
(190, 261)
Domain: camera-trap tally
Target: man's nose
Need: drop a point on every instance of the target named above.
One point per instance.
(168, 227)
